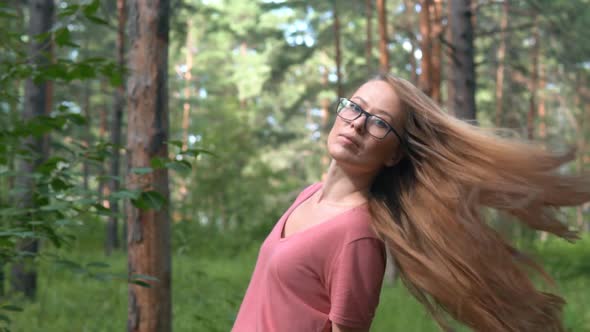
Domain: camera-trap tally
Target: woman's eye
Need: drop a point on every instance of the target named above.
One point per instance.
(380, 123)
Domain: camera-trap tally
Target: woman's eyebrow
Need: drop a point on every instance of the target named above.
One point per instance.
(377, 110)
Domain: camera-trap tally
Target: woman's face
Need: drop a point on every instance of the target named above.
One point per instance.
(352, 146)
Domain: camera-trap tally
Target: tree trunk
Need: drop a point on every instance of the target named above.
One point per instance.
(325, 124)
(425, 79)
(534, 81)
(383, 41)
(409, 12)
(37, 102)
(103, 185)
(583, 124)
(500, 55)
(462, 68)
(148, 128)
(116, 124)
(339, 92)
(541, 111)
(436, 56)
(369, 41)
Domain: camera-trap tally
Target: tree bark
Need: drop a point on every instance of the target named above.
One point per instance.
(436, 55)
(383, 39)
(369, 41)
(337, 51)
(425, 79)
(409, 11)
(148, 129)
(500, 55)
(37, 103)
(583, 124)
(541, 111)
(534, 81)
(116, 139)
(462, 71)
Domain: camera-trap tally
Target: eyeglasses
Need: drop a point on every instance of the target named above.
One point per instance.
(374, 125)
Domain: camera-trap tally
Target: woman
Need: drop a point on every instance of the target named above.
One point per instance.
(406, 176)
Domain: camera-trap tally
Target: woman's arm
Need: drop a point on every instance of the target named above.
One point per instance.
(340, 328)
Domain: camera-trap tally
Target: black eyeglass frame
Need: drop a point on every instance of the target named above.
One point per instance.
(367, 116)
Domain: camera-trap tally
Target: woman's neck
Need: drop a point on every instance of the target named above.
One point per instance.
(345, 187)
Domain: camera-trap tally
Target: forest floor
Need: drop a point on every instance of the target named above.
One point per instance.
(208, 288)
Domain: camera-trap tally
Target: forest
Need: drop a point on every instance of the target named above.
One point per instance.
(147, 148)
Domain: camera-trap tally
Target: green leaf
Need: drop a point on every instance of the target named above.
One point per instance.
(175, 143)
(125, 194)
(63, 37)
(101, 210)
(101, 265)
(77, 119)
(91, 8)
(97, 20)
(183, 167)
(144, 277)
(158, 163)
(82, 71)
(59, 185)
(11, 308)
(50, 165)
(142, 170)
(140, 283)
(149, 200)
(55, 206)
(5, 318)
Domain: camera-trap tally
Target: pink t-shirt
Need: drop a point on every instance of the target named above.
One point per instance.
(329, 272)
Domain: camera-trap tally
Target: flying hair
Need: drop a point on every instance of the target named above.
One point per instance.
(428, 210)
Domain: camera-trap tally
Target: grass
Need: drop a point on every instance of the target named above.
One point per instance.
(208, 288)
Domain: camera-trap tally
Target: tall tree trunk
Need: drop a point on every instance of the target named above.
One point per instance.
(148, 129)
(541, 111)
(116, 139)
(449, 54)
(369, 41)
(436, 31)
(37, 102)
(383, 40)
(462, 71)
(409, 13)
(325, 123)
(425, 79)
(103, 184)
(337, 51)
(500, 55)
(583, 124)
(534, 81)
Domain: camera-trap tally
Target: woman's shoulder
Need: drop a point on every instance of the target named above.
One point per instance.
(356, 224)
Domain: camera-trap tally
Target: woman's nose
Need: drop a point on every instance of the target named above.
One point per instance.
(359, 123)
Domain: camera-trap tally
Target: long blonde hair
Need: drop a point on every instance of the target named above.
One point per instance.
(428, 210)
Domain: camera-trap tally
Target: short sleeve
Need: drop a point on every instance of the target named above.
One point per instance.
(356, 281)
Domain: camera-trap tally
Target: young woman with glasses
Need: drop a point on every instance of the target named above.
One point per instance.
(408, 177)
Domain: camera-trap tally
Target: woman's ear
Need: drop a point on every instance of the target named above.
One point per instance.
(394, 160)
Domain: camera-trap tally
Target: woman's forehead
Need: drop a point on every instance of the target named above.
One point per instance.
(377, 95)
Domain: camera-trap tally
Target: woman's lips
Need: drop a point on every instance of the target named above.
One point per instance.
(348, 140)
